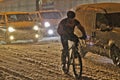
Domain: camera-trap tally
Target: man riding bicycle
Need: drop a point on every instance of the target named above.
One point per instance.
(66, 30)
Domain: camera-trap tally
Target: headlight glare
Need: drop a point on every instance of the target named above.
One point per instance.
(36, 36)
(35, 27)
(50, 32)
(11, 29)
(47, 24)
(11, 37)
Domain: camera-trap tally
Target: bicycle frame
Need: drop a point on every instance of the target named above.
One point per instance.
(71, 59)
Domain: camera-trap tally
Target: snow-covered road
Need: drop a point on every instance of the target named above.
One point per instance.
(41, 61)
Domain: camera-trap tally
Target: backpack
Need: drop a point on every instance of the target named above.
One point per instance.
(65, 27)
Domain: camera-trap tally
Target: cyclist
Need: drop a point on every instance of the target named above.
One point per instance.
(66, 30)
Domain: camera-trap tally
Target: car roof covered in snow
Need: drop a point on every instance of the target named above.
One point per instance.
(99, 7)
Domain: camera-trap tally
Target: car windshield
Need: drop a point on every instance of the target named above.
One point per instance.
(50, 15)
(35, 16)
(19, 17)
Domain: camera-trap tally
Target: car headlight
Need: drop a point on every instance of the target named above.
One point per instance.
(50, 32)
(47, 24)
(36, 36)
(36, 27)
(11, 37)
(11, 29)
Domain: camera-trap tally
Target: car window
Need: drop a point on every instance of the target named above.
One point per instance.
(35, 16)
(101, 20)
(19, 17)
(50, 15)
(109, 19)
(114, 19)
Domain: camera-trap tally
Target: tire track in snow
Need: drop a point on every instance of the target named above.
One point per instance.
(14, 73)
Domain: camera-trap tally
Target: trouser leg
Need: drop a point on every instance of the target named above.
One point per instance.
(65, 52)
(75, 39)
(64, 42)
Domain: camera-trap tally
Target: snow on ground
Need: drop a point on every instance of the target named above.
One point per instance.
(41, 61)
(50, 39)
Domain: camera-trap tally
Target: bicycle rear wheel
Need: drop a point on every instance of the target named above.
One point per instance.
(77, 65)
(65, 62)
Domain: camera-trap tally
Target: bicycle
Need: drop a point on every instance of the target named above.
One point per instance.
(72, 57)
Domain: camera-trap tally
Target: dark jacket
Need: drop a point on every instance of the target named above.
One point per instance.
(67, 25)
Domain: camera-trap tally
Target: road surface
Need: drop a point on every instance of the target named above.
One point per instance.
(41, 61)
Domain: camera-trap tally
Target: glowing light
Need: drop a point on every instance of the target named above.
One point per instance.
(50, 32)
(47, 24)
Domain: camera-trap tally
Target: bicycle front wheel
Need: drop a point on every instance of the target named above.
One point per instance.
(77, 65)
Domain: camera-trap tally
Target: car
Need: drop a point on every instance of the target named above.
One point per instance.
(18, 26)
(101, 22)
(49, 20)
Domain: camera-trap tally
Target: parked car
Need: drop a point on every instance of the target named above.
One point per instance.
(49, 20)
(18, 26)
(102, 23)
